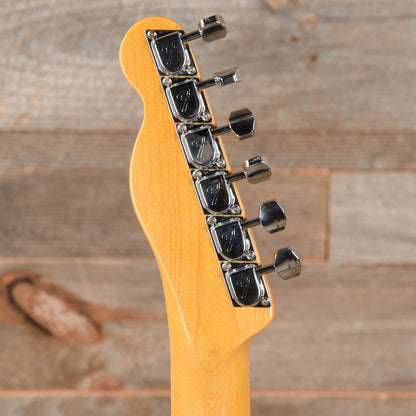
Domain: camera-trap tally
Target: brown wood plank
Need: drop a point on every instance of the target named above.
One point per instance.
(373, 217)
(308, 149)
(308, 65)
(336, 328)
(87, 212)
(156, 406)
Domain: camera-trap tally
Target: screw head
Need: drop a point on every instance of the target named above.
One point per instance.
(221, 163)
(251, 255)
(211, 220)
(191, 70)
(235, 209)
(196, 174)
(206, 116)
(166, 81)
(265, 301)
(151, 34)
(226, 266)
(181, 128)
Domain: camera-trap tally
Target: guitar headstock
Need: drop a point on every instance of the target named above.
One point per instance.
(185, 195)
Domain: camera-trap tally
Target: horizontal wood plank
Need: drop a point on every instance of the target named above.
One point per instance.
(87, 212)
(306, 65)
(373, 217)
(333, 150)
(349, 327)
(157, 406)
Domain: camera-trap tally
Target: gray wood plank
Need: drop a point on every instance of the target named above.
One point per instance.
(312, 149)
(158, 406)
(336, 328)
(87, 212)
(309, 65)
(373, 217)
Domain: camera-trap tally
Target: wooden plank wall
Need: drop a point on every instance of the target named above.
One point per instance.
(333, 87)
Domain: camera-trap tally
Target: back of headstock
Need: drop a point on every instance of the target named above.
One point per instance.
(186, 200)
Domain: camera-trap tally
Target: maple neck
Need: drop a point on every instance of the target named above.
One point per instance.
(209, 383)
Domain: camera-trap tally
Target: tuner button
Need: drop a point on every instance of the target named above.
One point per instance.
(256, 169)
(212, 28)
(286, 264)
(271, 216)
(209, 29)
(242, 123)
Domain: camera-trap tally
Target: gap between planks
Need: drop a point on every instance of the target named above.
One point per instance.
(301, 394)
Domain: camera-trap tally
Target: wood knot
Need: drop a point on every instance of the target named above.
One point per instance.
(50, 308)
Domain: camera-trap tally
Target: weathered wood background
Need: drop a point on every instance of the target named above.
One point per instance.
(333, 87)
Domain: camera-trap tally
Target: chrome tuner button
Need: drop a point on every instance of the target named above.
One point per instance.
(209, 29)
(271, 217)
(255, 170)
(286, 264)
(240, 122)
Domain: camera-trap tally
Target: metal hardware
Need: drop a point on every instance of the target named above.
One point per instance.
(286, 264)
(245, 287)
(240, 122)
(171, 51)
(216, 195)
(186, 99)
(271, 216)
(226, 266)
(221, 79)
(255, 170)
(209, 29)
(215, 190)
(201, 148)
(231, 241)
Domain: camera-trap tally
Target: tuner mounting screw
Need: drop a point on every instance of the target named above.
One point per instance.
(196, 174)
(206, 116)
(191, 70)
(251, 255)
(181, 128)
(265, 301)
(221, 163)
(226, 266)
(211, 220)
(166, 81)
(235, 209)
(151, 34)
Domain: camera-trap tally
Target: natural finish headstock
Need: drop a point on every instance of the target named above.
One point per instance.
(209, 331)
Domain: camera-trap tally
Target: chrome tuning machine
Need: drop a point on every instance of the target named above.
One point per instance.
(185, 98)
(170, 49)
(230, 238)
(215, 190)
(245, 282)
(200, 146)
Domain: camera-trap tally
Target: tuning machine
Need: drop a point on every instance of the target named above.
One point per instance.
(216, 192)
(170, 49)
(230, 237)
(245, 282)
(200, 144)
(185, 97)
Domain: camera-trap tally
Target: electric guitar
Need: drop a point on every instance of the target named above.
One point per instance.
(187, 202)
